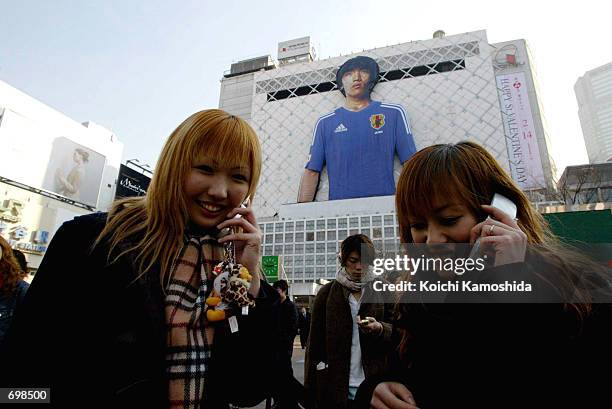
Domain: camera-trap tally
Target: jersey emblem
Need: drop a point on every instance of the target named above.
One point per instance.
(377, 121)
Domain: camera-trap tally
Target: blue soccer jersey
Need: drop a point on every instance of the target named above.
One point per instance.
(358, 149)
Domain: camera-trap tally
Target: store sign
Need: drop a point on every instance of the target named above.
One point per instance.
(131, 183)
(519, 128)
(12, 211)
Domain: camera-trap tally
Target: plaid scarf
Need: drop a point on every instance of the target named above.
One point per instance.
(190, 337)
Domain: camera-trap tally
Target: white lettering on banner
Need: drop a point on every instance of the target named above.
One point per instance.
(519, 128)
(127, 183)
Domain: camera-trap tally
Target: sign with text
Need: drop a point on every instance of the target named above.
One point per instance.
(519, 128)
(131, 183)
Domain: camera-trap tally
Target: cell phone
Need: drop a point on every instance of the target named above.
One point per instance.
(505, 205)
(365, 321)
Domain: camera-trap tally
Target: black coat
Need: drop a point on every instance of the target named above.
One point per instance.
(501, 355)
(96, 334)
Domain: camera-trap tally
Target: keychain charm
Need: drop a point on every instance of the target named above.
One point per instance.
(230, 287)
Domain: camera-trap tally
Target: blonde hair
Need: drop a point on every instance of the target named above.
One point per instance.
(157, 220)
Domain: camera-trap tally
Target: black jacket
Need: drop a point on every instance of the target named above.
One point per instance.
(96, 334)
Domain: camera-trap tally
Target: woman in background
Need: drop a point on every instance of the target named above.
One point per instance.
(12, 286)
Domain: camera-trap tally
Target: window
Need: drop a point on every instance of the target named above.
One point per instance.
(331, 259)
(366, 231)
(354, 222)
(278, 249)
(342, 223)
(309, 249)
(365, 221)
(299, 225)
(389, 220)
(320, 236)
(353, 231)
(267, 250)
(376, 221)
(310, 236)
(310, 224)
(299, 248)
(288, 248)
(389, 232)
(278, 238)
(331, 223)
(289, 226)
(288, 237)
(320, 224)
(299, 237)
(320, 260)
(269, 227)
(331, 247)
(268, 239)
(377, 232)
(320, 247)
(278, 226)
(341, 234)
(331, 235)
(309, 259)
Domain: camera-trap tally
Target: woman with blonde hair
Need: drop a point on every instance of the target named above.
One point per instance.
(489, 349)
(122, 302)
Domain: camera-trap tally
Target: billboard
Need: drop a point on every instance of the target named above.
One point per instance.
(131, 183)
(74, 171)
(519, 128)
(293, 48)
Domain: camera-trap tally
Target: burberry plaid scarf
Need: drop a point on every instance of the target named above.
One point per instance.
(190, 337)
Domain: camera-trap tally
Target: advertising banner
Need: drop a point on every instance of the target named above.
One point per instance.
(74, 171)
(131, 183)
(519, 128)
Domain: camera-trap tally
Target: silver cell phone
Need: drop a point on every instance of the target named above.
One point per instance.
(505, 205)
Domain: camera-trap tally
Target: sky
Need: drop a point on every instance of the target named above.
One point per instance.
(141, 67)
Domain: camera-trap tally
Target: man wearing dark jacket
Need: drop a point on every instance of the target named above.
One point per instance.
(288, 323)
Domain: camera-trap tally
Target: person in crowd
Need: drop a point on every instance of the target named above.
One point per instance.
(23, 263)
(304, 326)
(12, 287)
(472, 350)
(350, 332)
(288, 322)
(118, 312)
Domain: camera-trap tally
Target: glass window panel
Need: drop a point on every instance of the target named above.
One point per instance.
(377, 232)
(353, 231)
(310, 236)
(310, 225)
(365, 221)
(389, 232)
(289, 226)
(320, 224)
(288, 248)
(299, 225)
(299, 237)
(278, 249)
(354, 222)
(320, 247)
(309, 249)
(331, 223)
(342, 234)
(331, 235)
(299, 248)
(342, 223)
(389, 220)
(278, 226)
(267, 250)
(278, 238)
(376, 221)
(288, 237)
(268, 239)
(320, 236)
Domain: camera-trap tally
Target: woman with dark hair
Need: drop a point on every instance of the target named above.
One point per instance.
(350, 330)
(473, 350)
(12, 286)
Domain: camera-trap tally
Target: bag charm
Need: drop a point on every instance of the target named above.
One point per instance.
(230, 287)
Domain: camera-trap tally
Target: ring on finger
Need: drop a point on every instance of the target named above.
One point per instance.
(491, 229)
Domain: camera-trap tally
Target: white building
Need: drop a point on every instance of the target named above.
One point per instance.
(453, 88)
(594, 94)
(51, 170)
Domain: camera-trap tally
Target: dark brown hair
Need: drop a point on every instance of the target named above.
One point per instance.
(10, 272)
(357, 242)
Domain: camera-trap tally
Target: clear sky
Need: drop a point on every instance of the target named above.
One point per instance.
(140, 67)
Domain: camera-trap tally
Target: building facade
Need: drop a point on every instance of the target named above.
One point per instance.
(594, 95)
(452, 88)
(52, 169)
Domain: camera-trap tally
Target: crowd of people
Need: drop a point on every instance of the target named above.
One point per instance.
(171, 310)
